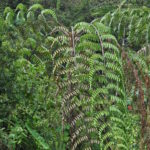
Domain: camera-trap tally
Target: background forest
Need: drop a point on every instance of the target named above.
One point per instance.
(74, 75)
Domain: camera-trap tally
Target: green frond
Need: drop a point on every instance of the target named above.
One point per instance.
(99, 91)
(112, 86)
(82, 66)
(101, 28)
(116, 110)
(50, 39)
(20, 18)
(31, 42)
(62, 40)
(109, 145)
(82, 57)
(90, 37)
(7, 10)
(21, 7)
(61, 29)
(77, 132)
(122, 146)
(114, 67)
(120, 139)
(112, 76)
(68, 96)
(61, 62)
(109, 37)
(62, 49)
(36, 60)
(79, 141)
(106, 136)
(68, 83)
(30, 16)
(116, 99)
(110, 46)
(36, 7)
(49, 12)
(77, 118)
(118, 120)
(118, 130)
(101, 114)
(69, 70)
(102, 128)
(141, 63)
(113, 57)
(89, 45)
(88, 148)
(9, 15)
(71, 108)
(83, 27)
(95, 57)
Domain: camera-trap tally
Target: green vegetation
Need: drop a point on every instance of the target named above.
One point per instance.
(74, 77)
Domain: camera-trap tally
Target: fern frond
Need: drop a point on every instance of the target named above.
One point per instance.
(61, 29)
(110, 46)
(78, 117)
(79, 141)
(36, 7)
(61, 62)
(62, 49)
(82, 27)
(21, 7)
(49, 12)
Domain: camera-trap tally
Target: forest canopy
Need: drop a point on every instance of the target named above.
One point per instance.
(74, 75)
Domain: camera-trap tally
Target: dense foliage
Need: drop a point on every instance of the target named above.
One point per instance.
(84, 85)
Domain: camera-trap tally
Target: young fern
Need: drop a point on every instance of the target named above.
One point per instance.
(106, 79)
(71, 65)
